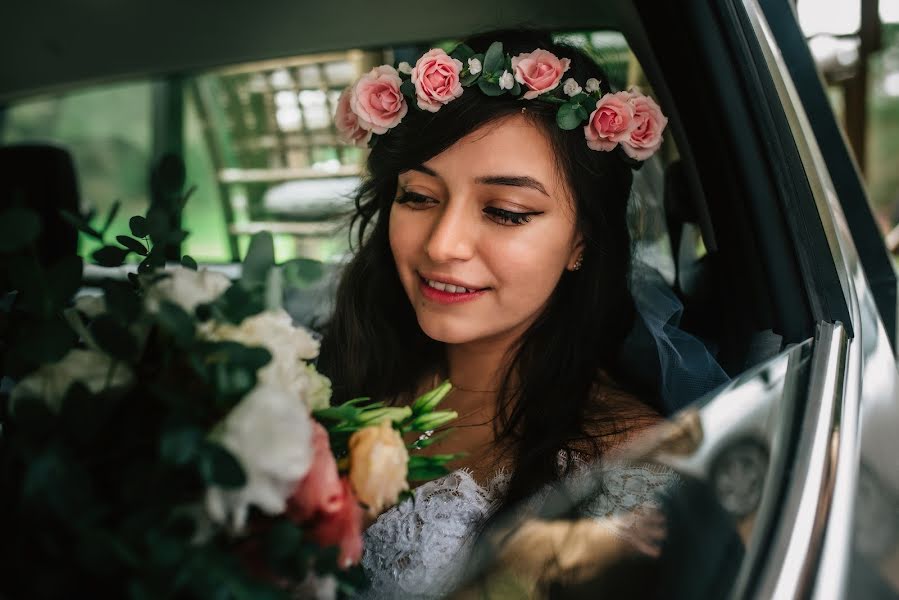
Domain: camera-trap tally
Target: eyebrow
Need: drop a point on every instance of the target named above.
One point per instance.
(510, 180)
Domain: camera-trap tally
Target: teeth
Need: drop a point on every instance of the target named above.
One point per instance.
(447, 287)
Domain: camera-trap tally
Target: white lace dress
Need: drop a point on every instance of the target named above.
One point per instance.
(418, 549)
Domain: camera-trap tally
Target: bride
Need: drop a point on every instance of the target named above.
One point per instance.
(493, 250)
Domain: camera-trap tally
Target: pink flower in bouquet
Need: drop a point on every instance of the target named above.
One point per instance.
(611, 122)
(376, 100)
(342, 526)
(649, 123)
(321, 490)
(436, 79)
(539, 71)
(347, 123)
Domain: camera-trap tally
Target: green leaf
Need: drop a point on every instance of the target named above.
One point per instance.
(567, 117)
(113, 211)
(113, 338)
(176, 322)
(469, 79)
(110, 256)
(494, 59)
(408, 89)
(302, 272)
(180, 445)
(19, 227)
(122, 301)
(283, 540)
(81, 224)
(516, 89)
(221, 468)
(188, 262)
(138, 226)
(582, 113)
(64, 279)
(490, 88)
(462, 52)
(582, 98)
(132, 244)
(429, 400)
(46, 341)
(238, 303)
(259, 259)
(426, 473)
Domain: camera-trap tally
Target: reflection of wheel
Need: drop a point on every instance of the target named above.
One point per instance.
(738, 476)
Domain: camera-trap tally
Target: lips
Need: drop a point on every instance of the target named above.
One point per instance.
(448, 292)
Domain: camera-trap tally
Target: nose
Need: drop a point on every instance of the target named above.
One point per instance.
(452, 235)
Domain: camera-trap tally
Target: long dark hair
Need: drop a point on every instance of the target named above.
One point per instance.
(550, 399)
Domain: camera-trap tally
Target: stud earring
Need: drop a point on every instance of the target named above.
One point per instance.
(578, 263)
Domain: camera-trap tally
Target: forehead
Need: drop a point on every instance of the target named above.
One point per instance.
(514, 145)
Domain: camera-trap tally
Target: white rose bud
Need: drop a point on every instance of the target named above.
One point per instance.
(270, 434)
(288, 345)
(592, 85)
(186, 288)
(571, 87)
(404, 68)
(506, 81)
(474, 66)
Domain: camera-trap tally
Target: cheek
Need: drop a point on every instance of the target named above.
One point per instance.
(529, 268)
(404, 236)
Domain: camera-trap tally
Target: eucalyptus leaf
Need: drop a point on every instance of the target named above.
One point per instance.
(302, 272)
(581, 113)
(494, 59)
(462, 52)
(64, 279)
(489, 88)
(110, 256)
(46, 341)
(469, 79)
(122, 301)
(567, 117)
(180, 445)
(516, 89)
(81, 224)
(110, 216)
(259, 259)
(221, 468)
(188, 262)
(132, 244)
(138, 226)
(407, 88)
(582, 98)
(113, 338)
(19, 227)
(175, 321)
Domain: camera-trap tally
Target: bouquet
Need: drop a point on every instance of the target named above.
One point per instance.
(171, 436)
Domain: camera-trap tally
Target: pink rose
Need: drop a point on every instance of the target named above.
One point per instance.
(611, 122)
(342, 527)
(539, 71)
(436, 79)
(649, 123)
(347, 123)
(377, 101)
(320, 491)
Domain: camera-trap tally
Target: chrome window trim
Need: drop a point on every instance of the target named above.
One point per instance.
(792, 560)
(828, 551)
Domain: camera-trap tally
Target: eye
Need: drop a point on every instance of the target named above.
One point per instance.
(508, 217)
(415, 201)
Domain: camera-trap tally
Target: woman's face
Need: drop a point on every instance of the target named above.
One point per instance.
(492, 215)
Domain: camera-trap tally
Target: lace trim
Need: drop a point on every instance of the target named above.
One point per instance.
(419, 548)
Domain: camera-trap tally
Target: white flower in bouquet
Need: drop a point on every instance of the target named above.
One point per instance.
(92, 305)
(288, 345)
(186, 288)
(270, 434)
(95, 370)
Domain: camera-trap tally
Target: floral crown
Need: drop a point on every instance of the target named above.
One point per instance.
(379, 99)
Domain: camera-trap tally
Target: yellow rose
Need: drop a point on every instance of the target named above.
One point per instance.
(379, 464)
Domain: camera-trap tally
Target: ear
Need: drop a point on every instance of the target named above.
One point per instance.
(577, 250)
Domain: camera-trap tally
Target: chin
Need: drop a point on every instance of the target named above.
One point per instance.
(440, 330)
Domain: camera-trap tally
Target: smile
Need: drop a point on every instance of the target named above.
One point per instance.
(447, 293)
